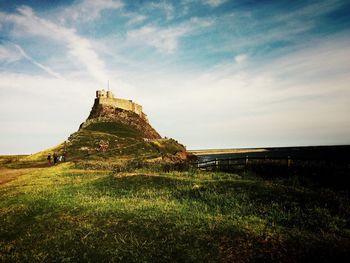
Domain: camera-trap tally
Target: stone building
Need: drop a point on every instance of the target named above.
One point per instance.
(107, 98)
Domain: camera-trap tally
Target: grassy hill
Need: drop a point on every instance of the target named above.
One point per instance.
(112, 136)
(122, 143)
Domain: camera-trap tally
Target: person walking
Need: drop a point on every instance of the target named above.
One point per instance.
(49, 158)
(54, 158)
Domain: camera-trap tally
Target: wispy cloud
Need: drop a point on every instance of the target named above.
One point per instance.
(28, 24)
(167, 39)
(297, 95)
(247, 32)
(214, 3)
(318, 61)
(263, 30)
(135, 18)
(8, 54)
(36, 63)
(88, 10)
(309, 11)
(165, 7)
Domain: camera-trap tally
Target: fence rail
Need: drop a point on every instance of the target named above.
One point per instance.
(287, 161)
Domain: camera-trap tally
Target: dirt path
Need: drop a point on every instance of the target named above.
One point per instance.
(7, 175)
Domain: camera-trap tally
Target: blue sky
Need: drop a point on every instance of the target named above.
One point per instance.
(209, 73)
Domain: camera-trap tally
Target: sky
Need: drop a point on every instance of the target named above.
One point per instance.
(208, 73)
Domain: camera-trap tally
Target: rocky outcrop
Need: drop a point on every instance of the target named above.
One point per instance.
(104, 113)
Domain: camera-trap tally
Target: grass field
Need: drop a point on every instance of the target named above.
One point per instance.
(65, 214)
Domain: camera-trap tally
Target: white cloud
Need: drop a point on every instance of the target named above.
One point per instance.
(320, 59)
(241, 58)
(295, 100)
(8, 54)
(136, 19)
(166, 40)
(214, 3)
(259, 35)
(309, 11)
(167, 8)
(28, 24)
(38, 111)
(89, 10)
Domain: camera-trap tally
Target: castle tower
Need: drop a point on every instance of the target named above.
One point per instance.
(110, 94)
(101, 94)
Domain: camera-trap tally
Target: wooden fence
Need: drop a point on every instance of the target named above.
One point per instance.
(288, 162)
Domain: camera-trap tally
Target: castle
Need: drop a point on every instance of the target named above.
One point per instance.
(107, 98)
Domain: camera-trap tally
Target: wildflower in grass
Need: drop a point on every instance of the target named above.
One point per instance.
(196, 187)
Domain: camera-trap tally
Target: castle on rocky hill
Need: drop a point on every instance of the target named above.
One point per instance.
(107, 98)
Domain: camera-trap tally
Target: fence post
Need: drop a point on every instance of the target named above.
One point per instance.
(246, 165)
(289, 161)
(216, 164)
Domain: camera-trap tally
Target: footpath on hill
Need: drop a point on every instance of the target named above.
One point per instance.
(7, 175)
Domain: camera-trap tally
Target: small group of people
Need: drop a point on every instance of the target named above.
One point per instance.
(56, 158)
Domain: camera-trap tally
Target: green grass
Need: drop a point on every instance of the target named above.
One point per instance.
(124, 143)
(65, 214)
(114, 128)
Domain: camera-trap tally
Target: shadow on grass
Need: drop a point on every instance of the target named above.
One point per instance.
(305, 210)
(51, 233)
(162, 218)
(48, 232)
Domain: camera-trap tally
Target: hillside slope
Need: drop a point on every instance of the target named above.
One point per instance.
(102, 113)
(113, 134)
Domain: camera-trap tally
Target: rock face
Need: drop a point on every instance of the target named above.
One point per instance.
(105, 113)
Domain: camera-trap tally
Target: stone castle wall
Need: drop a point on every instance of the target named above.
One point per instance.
(107, 98)
(121, 103)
